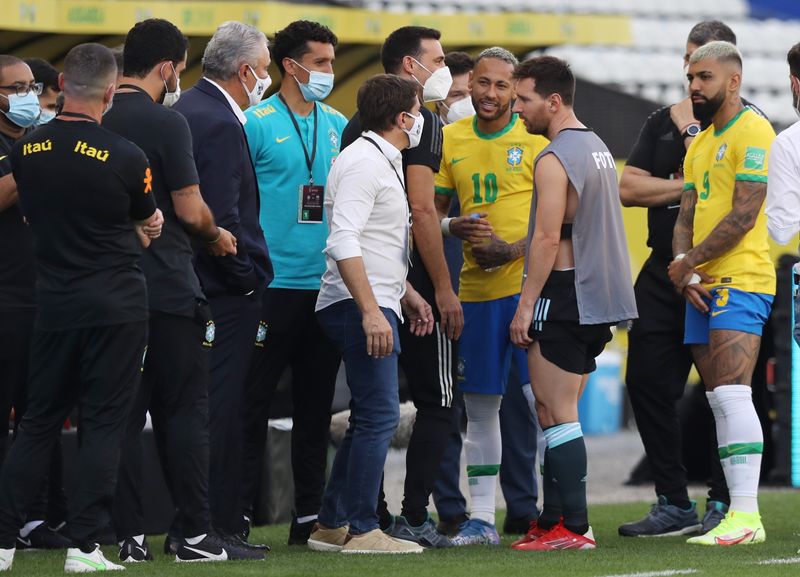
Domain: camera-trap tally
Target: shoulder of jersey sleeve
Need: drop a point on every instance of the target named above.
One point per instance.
(658, 114)
(331, 111)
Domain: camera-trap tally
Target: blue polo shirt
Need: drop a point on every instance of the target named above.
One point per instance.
(281, 169)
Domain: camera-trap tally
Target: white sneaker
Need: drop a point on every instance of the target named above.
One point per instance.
(80, 562)
(7, 558)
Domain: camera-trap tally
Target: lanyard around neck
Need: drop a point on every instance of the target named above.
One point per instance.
(309, 159)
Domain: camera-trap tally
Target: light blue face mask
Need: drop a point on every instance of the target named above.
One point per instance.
(23, 110)
(319, 84)
(45, 117)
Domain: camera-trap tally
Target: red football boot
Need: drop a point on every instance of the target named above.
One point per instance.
(558, 538)
(532, 535)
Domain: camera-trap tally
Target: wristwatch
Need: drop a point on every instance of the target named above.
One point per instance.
(691, 131)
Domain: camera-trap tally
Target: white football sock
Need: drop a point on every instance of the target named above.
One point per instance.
(483, 448)
(722, 431)
(745, 444)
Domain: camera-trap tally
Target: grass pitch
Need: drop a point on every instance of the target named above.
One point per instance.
(615, 556)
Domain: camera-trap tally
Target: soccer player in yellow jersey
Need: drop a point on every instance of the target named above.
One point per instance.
(722, 267)
(487, 161)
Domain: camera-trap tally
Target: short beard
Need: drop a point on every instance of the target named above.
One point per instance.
(705, 111)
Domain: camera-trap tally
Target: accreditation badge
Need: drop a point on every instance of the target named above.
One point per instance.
(309, 206)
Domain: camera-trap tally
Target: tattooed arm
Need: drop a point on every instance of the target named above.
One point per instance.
(748, 198)
(684, 227)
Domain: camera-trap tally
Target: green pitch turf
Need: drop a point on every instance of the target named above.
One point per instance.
(617, 556)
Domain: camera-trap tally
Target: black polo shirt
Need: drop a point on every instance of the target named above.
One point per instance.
(163, 134)
(17, 263)
(81, 187)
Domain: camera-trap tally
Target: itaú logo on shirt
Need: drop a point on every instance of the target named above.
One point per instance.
(83, 148)
(33, 147)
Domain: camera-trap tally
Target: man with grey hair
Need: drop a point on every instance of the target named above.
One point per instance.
(235, 76)
(723, 269)
(91, 322)
(487, 162)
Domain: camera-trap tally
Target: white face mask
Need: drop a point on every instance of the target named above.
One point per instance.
(256, 94)
(437, 85)
(460, 109)
(415, 133)
(170, 98)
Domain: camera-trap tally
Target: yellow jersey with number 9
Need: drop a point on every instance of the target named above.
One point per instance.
(490, 173)
(715, 161)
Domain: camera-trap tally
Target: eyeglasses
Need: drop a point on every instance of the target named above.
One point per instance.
(23, 90)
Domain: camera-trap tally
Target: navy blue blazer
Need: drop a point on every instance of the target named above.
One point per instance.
(229, 187)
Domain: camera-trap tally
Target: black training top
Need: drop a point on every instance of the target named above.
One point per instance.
(81, 187)
(17, 270)
(163, 135)
(427, 153)
(660, 150)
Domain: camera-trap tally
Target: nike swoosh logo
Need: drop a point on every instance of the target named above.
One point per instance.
(210, 556)
(715, 313)
(26, 542)
(93, 564)
(142, 550)
(736, 540)
(457, 160)
(284, 139)
(4, 156)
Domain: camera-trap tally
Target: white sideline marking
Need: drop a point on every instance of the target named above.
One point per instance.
(785, 561)
(667, 573)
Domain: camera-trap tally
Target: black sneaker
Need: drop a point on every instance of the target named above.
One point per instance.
(715, 513)
(214, 548)
(43, 537)
(664, 520)
(131, 552)
(171, 544)
(518, 525)
(300, 532)
(450, 526)
(237, 541)
(426, 534)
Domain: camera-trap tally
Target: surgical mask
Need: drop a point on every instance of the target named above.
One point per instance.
(460, 109)
(415, 133)
(255, 95)
(170, 98)
(437, 85)
(45, 117)
(22, 110)
(319, 84)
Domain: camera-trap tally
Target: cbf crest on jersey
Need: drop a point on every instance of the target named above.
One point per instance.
(261, 333)
(334, 138)
(514, 156)
(721, 151)
(211, 332)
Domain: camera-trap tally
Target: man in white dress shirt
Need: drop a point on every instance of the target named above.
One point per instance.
(361, 302)
(783, 184)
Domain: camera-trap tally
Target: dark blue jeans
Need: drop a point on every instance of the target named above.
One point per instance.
(517, 470)
(352, 491)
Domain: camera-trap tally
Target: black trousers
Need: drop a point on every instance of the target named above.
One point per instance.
(97, 369)
(175, 390)
(16, 330)
(429, 364)
(290, 336)
(235, 326)
(658, 366)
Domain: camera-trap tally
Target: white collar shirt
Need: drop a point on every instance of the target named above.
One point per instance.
(783, 186)
(367, 213)
(231, 102)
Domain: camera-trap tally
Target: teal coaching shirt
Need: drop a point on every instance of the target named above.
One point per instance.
(281, 169)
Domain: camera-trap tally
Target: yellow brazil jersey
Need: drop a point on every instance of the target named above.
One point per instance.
(491, 173)
(714, 162)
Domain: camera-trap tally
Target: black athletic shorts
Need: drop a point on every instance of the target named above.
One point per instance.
(563, 341)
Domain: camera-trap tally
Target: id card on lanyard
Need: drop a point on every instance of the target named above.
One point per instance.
(310, 197)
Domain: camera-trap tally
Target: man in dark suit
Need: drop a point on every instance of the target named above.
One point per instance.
(234, 77)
